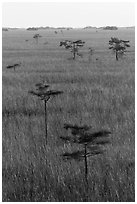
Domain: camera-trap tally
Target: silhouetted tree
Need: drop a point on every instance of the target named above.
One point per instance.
(44, 94)
(36, 37)
(13, 66)
(73, 46)
(92, 143)
(118, 46)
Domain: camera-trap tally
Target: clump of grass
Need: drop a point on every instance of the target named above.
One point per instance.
(37, 183)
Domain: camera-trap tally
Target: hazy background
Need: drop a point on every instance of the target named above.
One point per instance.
(67, 14)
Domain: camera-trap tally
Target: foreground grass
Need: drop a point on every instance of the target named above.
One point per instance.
(96, 93)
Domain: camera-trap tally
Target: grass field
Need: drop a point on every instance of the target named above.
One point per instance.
(99, 93)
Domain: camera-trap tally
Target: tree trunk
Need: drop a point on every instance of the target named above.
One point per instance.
(86, 165)
(74, 52)
(86, 175)
(116, 55)
(31, 190)
(46, 132)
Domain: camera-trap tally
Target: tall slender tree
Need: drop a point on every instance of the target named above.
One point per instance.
(44, 94)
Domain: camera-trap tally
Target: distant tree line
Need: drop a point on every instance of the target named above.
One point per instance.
(32, 28)
(7, 29)
(4, 29)
(89, 27)
(110, 28)
(47, 27)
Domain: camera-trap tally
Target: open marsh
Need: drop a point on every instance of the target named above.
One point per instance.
(99, 93)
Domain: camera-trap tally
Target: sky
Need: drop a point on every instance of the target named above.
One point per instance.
(67, 14)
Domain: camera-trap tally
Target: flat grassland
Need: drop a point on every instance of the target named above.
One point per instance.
(98, 91)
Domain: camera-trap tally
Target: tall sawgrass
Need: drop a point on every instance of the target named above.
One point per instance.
(97, 93)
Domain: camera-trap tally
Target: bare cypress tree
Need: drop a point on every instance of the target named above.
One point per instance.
(118, 46)
(44, 94)
(91, 143)
(73, 46)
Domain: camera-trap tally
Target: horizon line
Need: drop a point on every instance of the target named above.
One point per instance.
(67, 26)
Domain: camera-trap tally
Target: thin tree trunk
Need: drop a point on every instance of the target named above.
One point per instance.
(74, 54)
(46, 132)
(86, 165)
(116, 55)
(31, 191)
(86, 174)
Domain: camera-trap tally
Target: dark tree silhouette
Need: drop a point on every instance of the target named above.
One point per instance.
(44, 94)
(13, 66)
(73, 46)
(92, 143)
(36, 37)
(118, 46)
